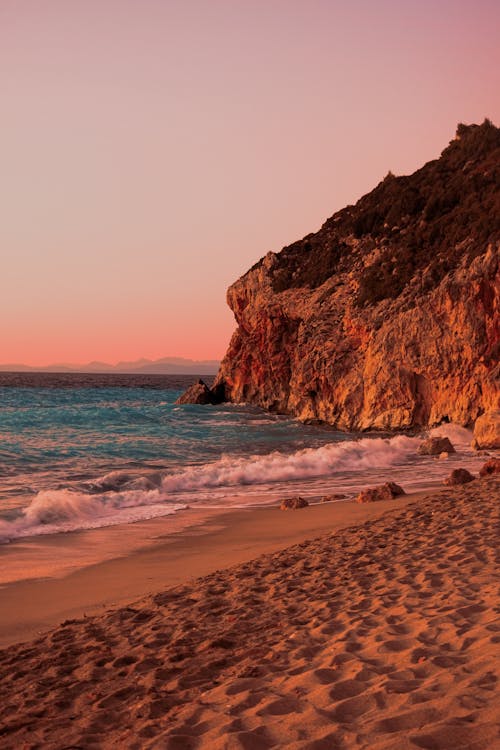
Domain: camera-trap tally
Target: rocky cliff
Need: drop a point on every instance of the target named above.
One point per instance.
(388, 316)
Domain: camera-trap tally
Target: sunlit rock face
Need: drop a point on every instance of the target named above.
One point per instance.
(487, 430)
(388, 317)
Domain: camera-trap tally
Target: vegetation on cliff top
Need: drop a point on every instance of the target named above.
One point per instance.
(430, 220)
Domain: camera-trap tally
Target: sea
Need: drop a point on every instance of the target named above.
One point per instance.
(82, 452)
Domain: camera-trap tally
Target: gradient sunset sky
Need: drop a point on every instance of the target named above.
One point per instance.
(152, 150)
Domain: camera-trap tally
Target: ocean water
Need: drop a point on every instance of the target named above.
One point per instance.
(87, 451)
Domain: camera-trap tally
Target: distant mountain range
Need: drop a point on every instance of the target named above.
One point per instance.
(164, 366)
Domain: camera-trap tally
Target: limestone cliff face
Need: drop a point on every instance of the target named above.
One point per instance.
(388, 317)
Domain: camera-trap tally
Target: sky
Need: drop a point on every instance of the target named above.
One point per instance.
(151, 151)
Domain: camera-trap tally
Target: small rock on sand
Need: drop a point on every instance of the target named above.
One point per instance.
(434, 446)
(490, 467)
(459, 476)
(444, 454)
(293, 503)
(333, 498)
(386, 491)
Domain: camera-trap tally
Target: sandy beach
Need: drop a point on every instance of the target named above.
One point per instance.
(380, 633)
(60, 576)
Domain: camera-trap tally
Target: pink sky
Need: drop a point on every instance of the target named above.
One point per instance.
(151, 151)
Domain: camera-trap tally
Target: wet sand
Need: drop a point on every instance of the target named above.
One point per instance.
(382, 633)
(64, 582)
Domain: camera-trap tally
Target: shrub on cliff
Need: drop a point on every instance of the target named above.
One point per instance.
(430, 220)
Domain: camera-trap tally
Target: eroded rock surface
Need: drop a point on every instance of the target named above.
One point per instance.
(388, 316)
(487, 430)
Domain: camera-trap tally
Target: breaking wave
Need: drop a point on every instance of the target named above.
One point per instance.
(55, 511)
(304, 464)
(122, 497)
(125, 497)
(80, 452)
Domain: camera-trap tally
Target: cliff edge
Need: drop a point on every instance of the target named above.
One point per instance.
(388, 316)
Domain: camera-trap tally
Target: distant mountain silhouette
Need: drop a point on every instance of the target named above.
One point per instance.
(163, 366)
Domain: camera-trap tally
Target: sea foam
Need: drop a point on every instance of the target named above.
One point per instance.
(123, 497)
(120, 497)
(230, 471)
(55, 511)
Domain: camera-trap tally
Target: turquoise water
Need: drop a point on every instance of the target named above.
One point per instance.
(68, 429)
(87, 451)
(70, 434)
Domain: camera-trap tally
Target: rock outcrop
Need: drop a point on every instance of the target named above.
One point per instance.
(199, 393)
(386, 491)
(487, 430)
(459, 476)
(388, 316)
(436, 446)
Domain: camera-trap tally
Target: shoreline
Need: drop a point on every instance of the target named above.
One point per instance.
(60, 553)
(158, 557)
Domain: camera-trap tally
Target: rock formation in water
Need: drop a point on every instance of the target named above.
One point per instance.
(435, 446)
(388, 316)
(198, 393)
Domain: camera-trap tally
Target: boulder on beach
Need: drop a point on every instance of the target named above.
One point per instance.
(459, 476)
(198, 393)
(386, 491)
(487, 430)
(333, 498)
(293, 503)
(490, 467)
(434, 446)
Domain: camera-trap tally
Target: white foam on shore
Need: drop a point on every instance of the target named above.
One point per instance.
(231, 471)
(55, 511)
(121, 497)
